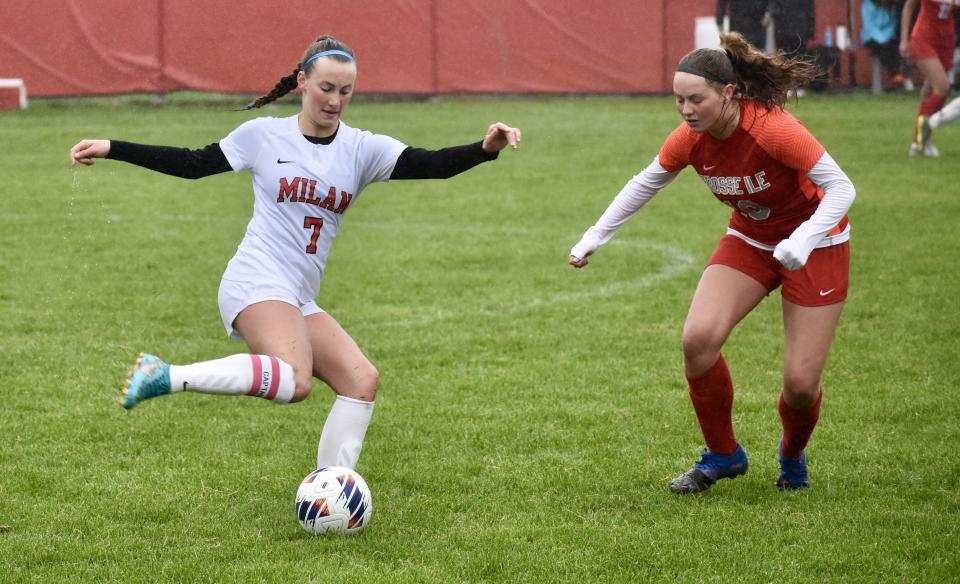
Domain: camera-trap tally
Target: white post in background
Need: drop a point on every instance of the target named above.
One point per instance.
(843, 41)
(771, 47)
(876, 83)
(952, 73)
(706, 35)
(18, 85)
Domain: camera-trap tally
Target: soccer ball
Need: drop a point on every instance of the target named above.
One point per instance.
(333, 499)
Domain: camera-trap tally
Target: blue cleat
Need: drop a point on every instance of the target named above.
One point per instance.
(709, 469)
(793, 472)
(149, 378)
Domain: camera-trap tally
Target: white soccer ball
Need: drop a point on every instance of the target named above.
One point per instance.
(333, 499)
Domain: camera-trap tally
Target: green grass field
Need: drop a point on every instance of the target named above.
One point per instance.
(530, 415)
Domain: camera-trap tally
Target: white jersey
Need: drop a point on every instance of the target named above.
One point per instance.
(301, 191)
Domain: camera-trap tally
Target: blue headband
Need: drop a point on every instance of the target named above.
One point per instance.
(326, 54)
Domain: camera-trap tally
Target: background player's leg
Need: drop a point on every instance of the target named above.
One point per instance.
(338, 361)
(935, 86)
(932, 96)
(947, 114)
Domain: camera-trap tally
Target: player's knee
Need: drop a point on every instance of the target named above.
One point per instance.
(303, 384)
(699, 343)
(363, 384)
(801, 388)
(367, 382)
(941, 89)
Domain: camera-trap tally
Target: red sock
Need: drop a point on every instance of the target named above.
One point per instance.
(798, 425)
(712, 397)
(931, 105)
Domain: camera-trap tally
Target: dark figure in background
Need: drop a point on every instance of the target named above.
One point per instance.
(746, 17)
(793, 33)
(793, 27)
(880, 33)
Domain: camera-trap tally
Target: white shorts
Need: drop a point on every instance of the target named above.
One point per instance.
(234, 296)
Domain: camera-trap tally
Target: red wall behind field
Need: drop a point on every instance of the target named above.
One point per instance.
(68, 47)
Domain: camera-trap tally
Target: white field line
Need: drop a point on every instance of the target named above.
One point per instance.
(678, 261)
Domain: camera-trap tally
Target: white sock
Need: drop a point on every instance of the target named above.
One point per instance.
(257, 375)
(947, 114)
(342, 436)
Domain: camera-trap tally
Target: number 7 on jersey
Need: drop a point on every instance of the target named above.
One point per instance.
(316, 223)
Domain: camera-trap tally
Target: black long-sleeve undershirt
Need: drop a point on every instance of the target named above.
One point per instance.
(171, 160)
(413, 163)
(416, 163)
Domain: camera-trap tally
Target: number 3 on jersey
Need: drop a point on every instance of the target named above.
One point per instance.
(316, 223)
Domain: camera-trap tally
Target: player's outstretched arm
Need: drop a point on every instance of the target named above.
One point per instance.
(634, 195)
(180, 162)
(86, 150)
(499, 135)
(418, 163)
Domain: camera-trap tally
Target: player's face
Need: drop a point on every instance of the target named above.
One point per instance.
(699, 104)
(325, 93)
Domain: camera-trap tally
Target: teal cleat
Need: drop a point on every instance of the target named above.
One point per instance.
(149, 378)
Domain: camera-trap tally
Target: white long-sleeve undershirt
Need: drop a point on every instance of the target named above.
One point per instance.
(838, 196)
(634, 195)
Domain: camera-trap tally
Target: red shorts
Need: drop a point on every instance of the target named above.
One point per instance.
(822, 281)
(922, 48)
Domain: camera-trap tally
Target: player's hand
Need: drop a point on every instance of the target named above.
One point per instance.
(905, 48)
(499, 135)
(792, 255)
(86, 150)
(578, 262)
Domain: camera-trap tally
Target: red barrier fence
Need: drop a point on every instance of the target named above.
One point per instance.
(68, 47)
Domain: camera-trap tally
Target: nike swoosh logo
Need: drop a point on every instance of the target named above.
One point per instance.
(709, 168)
(825, 292)
(184, 386)
(283, 161)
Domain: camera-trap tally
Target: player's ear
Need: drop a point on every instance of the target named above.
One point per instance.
(301, 79)
(728, 90)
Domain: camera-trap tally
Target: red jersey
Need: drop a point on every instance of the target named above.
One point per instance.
(935, 24)
(760, 170)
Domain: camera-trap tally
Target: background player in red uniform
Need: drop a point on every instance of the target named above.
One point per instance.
(930, 45)
(788, 228)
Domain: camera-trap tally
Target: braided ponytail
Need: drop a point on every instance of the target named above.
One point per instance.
(289, 83)
(283, 87)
